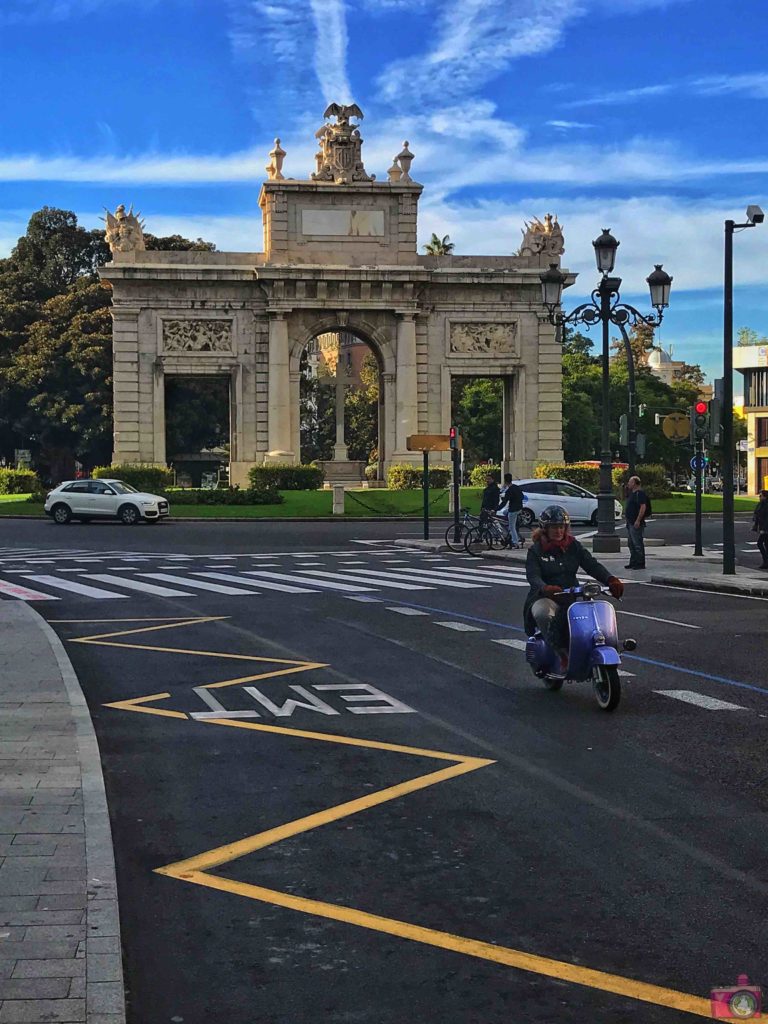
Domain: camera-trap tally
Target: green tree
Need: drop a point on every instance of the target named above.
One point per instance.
(437, 246)
(748, 336)
(361, 412)
(477, 404)
(196, 415)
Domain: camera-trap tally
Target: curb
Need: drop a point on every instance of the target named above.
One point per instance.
(714, 585)
(175, 521)
(102, 914)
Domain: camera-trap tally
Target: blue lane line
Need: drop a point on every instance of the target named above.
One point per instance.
(628, 657)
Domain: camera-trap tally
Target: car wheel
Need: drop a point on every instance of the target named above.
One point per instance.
(593, 518)
(526, 518)
(61, 514)
(129, 515)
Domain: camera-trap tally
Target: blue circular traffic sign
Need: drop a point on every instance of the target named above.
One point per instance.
(699, 461)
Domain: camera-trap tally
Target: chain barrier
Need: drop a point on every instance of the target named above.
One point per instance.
(395, 512)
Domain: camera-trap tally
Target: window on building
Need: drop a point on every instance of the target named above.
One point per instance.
(756, 388)
(761, 432)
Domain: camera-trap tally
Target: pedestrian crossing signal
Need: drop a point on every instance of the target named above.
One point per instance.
(453, 438)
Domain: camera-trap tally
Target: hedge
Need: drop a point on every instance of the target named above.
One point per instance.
(286, 477)
(652, 477)
(18, 481)
(221, 496)
(142, 476)
(479, 473)
(371, 471)
(405, 477)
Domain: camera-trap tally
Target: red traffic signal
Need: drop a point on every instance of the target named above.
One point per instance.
(700, 408)
(453, 437)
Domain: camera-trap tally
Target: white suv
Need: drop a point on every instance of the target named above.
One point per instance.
(579, 503)
(103, 499)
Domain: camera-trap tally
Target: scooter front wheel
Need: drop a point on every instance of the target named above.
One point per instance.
(553, 684)
(607, 686)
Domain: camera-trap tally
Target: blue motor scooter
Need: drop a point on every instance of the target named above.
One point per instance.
(593, 651)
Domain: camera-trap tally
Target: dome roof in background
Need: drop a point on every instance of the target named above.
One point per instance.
(658, 356)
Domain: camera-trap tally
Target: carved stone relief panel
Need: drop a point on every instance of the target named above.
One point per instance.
(197, 335)
(483, 338)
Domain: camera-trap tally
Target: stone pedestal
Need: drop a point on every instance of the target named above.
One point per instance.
(348, 473)
(338, 499)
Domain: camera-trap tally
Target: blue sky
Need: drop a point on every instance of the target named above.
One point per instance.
(645, 116)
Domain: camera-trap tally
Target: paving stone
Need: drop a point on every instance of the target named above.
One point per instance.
(55, 932)
(104, 997)
(50, 1010)
(103, 918)
(23, 918)
(62, 871)
(103, 967)
(11, 934)
(37, 950)
(8, 904)
(77, 988)
(35, 988)
(62, 968)
(69, 901)
(103, 944)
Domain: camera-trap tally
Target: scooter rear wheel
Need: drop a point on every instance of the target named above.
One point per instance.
(607, 686)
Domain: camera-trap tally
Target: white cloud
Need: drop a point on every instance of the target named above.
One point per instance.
(621, 96)
(751, 86)
(331, 49)
(568, 125)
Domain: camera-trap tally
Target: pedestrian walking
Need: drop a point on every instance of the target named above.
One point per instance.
(760, 527)
(510, 503)
(636, 511)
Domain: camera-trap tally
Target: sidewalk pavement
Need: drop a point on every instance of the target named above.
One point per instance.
(60, 955)
(671, 565)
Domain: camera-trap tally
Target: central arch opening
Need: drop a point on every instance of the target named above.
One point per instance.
(198, 429)
(341, 406)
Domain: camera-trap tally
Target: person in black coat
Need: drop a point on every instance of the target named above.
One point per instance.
(554, 558)
(490, 501)
(760, 527)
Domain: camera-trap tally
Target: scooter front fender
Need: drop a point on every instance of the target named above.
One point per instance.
(604, 656)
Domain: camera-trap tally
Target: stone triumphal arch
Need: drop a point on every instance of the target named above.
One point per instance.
(340, 255)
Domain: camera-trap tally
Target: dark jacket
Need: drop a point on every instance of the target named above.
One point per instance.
(634, 501)
(513, 494)
(491, 497)
(760, 517)
(557, 568)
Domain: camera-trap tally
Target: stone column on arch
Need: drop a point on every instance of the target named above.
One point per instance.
(387, 423)
(550, 394)
(158, 413)
(129, 440)
(406, 384)
(279, 402)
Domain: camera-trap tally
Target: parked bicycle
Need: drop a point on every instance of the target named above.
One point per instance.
(456, 536)
(489, 532)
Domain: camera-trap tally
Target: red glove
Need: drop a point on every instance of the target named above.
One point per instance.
(551, 591)
(616, 587)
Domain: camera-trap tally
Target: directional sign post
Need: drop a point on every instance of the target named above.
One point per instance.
(676, 427)
(427, 443)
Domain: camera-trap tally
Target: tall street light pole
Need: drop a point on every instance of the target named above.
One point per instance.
(606, 309)
(754, 216)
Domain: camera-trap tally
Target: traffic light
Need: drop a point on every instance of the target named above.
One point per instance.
(623, 429)
(642, 409)
(715, 421)
(453, 438)
(699, 422)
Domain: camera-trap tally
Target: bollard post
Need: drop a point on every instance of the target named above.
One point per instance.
(338, 499)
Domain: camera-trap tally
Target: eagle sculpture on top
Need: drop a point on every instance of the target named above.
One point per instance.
(339, 158)
(343, 111)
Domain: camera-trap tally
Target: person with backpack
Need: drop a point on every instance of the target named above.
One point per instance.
(760, 527)
(636, 511)
(510, 504)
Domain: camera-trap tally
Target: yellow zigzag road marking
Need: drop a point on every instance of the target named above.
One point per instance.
(192, 869)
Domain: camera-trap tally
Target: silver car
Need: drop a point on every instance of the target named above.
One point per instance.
(579, 503)
(103, 499)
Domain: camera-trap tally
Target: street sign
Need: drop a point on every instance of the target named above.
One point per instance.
(429, 443)
(676, 426)
(699, 461)
(743, 445)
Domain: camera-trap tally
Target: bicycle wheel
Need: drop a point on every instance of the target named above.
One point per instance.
(460, 534)
(497, 538)
(478, 540)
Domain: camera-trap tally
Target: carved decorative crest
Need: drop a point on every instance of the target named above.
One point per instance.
(197, 335)
(483, 339)
(339, 158)
(125, 231)
(542, 238)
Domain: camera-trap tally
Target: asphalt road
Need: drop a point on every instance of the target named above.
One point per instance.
(356, 805)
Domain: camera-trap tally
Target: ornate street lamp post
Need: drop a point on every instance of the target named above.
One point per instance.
(605, 308)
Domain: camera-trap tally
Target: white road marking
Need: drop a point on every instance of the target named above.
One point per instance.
(218, 588)
(348, 587)
(24, 593)
(365, 600)
(363, 579)
(406, 611)
(145, 588)
(671, 622)
(695, 590)
(230, 578)
(403, 574)
(460, 627)
(519, 645)
(469, 575)
(78, 588)
(702, 701)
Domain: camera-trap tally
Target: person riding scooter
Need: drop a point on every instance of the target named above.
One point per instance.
(554, 558)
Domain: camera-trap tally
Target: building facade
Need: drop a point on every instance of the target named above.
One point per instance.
(340, 255)
(752, 362)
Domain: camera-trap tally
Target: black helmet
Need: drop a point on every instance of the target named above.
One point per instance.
(554, 515)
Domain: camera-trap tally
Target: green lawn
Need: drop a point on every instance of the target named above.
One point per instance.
(306, 504)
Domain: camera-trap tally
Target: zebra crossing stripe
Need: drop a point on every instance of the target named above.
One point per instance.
(327, 584)
(363, 579)
(519, 645)
(23, 593)
(77, 588)
(467, 575)
(404, 575)
(230, 578)
(129, 584)
(218, 588)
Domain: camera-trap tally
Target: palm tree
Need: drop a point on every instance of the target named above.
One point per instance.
(439, 246)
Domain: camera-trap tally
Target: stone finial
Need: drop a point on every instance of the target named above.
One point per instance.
(395, 172)
(542, 238)
(405, 159)
(340, 158)
(275, 165)
(125, 231)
